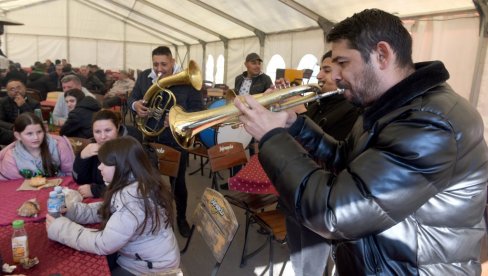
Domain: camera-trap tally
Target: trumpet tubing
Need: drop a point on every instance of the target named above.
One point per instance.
(185, 126)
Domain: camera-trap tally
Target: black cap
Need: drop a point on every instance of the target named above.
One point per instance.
(253, 56)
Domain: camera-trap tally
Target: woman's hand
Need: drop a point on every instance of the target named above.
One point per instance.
(90, 150)
(85, 190)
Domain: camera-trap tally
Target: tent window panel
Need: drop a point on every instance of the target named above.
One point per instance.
(209, 69)
(274, 63)
(219, 75)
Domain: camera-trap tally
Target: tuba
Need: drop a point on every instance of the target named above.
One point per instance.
(159, 99)
(184, 126)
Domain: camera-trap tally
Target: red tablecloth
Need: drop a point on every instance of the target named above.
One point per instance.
(54, 258)
(252, 179)
(12, 199)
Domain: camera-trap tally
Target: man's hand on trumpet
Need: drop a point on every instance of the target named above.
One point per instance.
(258, 121)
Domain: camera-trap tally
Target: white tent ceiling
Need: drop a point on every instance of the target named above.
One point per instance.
(187, 22)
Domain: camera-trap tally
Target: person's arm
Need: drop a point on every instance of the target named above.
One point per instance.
(84, 213)
(60, 111)
(72, 125)
(83, 169)
(66, 154)
(119, 230)
(137, 93)
(334, 206)
(8, 166)
(97, 189)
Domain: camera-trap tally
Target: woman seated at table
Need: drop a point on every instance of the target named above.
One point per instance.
(136, 215)
(35, 152)
(106, 126)
(81, 109)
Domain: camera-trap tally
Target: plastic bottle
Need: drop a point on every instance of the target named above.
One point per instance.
(51, 122)
(38, 113)
(20, 242)
(53, 204)
(60, 195)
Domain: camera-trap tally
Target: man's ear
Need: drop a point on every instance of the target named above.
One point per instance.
(385, 54)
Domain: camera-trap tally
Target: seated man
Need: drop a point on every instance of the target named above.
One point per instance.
(120, 88)
(15, 103)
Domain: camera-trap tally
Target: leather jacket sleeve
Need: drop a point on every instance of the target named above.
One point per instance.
(387, 179)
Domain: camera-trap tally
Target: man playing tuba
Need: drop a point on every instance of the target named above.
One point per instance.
(187, 97)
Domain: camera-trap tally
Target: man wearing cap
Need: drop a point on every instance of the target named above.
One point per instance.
(252, 81)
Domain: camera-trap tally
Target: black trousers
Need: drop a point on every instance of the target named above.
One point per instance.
(178, 186)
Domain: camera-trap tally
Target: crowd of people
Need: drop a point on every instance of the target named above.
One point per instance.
(390, 176)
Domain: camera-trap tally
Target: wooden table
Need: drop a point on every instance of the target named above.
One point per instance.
(54, 258)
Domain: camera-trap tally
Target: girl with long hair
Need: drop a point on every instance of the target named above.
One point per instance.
(81, 109)
(136, 214)
(35, 152)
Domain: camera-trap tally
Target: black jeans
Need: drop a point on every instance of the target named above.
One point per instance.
(178, 186)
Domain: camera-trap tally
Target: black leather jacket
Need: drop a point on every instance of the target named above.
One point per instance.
(411, 189)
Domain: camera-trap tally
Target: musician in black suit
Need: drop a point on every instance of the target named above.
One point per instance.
(188, 98)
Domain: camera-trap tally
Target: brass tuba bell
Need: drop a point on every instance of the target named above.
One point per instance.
(159, 99)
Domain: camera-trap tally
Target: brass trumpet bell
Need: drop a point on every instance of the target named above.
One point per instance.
(159, 99)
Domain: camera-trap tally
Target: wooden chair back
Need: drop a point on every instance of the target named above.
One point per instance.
(169, 159)
(78, 144)
(216, 222)
(226, 155)
(34, 94)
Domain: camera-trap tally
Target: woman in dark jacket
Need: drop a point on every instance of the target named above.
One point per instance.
(106, 127)
(81, 110)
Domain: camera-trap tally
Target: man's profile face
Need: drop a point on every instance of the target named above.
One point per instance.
(59, 70)
(15, 88)
(163, 65)
(325, 76)
(70, 85)
(253, 67)
(359, 79)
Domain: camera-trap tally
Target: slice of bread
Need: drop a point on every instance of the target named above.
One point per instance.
(37, 181)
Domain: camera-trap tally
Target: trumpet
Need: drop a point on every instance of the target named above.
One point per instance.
(184, 126)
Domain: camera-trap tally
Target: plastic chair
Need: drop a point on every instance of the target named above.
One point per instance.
(216, 222)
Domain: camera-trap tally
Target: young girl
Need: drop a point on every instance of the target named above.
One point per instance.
(135, 216)
(81, 109)
(35, 152)
(106, 127)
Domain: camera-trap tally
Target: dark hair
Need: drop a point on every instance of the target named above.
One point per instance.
(132, 164)
(365, 29)
(107, 114)
(326, 55)
(162, 51)
(75, 92)
(15, 79)
(27, 118)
